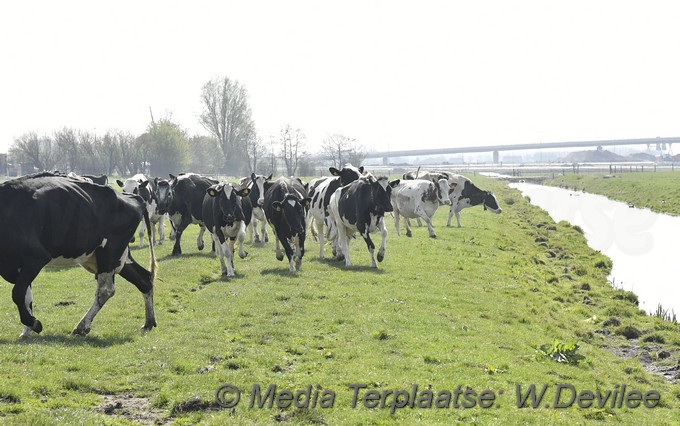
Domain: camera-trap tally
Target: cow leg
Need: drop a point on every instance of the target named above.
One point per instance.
(22, 296)
(241, 236)
(253, 230)
(319, 230)
(199, 240)
(279, 253)
(420, 212)
(105, 289)
(296, 258)
(140, 234)
(383, 242)
(452, 211)
(29, 305)
(396, 220)
(141, 278)
(369, 243)
(265, 235)
(161, 230)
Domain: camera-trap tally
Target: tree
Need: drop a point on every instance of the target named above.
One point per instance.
(40, 152)
(227, 116)
(130, 153)
(340, 149)
(67, 144)
(108, 152)
(205, 155)
(166, 148)
(292, 144)
(255, 150)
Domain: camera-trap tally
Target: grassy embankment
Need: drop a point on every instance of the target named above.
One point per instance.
(465, 309)
(657, 191)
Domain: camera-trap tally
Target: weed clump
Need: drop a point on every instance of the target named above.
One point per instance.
(629, 332)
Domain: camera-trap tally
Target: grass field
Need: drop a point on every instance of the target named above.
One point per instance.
(658, 191)
(468, 308)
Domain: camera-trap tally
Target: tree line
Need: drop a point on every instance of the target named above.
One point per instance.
(232, 147)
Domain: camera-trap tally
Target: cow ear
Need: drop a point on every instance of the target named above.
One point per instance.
(243, 192)
(307, 201)
(394, 183)
(144, 184)
(155, 181)
(361, 169)
(212, 191)
(252, 176)
(334, 171)
(119, 182)
(172, 177)
(277, 206)
(270, 176)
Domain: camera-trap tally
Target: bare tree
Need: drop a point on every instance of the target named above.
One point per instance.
(340, 149)
(227, 116)
(67, 144)
(292, 144)
(41, 152)
(107, 151)
(256, 150)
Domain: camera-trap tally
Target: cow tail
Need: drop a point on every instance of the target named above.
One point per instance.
(154, 265)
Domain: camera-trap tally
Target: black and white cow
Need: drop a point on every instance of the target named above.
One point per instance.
(142, 186)
(466, 194)
(181, 198)
(360, 206)
(419, 199)
(49, 218)
(285, 207)
(320, 193)
(226, 215)
(256, 185)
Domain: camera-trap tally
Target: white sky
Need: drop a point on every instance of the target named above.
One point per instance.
(392, 74)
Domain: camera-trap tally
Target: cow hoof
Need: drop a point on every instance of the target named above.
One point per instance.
(37, 326)
(80, 332)
(149, 326)
(201, 247)
(381, 256)
(408, 234)
(279, 256)
(176, 253)
(433, 236)
(266, 239)
(257, 240)
(244, 255)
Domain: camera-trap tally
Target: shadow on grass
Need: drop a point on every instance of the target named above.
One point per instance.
(205, 280)
(207, 254)
(69, 340)
(340, 265)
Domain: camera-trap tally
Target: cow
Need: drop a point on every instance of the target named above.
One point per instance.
(321, 192)
(256, 185)
(226, 215)
(419, 199)
(49, 218)
(142, 186)
(181, 197)
(466, 194)
(360, 206)
(285, 206)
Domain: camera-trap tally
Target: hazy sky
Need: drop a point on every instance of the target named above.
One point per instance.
(392, 74)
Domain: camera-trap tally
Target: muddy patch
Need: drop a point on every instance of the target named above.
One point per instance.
(653, 358)
(133, 408)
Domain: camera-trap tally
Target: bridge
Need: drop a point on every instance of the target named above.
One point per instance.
(659, 142)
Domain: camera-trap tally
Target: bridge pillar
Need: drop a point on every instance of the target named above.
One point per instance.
(386, 161)
(495, 157)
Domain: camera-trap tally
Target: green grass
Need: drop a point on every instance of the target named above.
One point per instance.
(468, 308)
(658, 191)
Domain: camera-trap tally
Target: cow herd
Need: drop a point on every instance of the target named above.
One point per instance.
(53, 218)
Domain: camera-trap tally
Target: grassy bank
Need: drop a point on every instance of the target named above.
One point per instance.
(469, 308)
(658, 191)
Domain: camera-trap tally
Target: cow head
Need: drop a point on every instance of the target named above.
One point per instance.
(293, 210)
(258, 186)
(347, 174)
(381, 194)
(491, 203)
(226, 198)
(443, 191)
(164, 195)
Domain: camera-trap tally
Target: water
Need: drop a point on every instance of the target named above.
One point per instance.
(642, 245)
